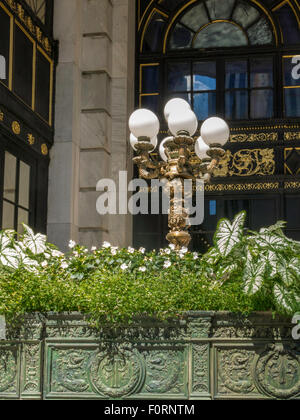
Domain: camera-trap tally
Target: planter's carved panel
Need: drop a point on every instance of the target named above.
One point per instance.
(9, 360)
(202, 356)
(277, 371)
(234, 371)
(31, 370)
(119, 376)
(200, 369)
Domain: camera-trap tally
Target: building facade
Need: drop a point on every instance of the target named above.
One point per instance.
(75, 70)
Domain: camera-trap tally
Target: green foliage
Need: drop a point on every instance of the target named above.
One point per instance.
(267, 262)
(241, 273)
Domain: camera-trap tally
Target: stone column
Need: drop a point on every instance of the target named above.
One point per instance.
(94, 97)
(65, 155)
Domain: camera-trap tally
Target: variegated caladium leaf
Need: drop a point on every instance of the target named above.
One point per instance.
(35, 243)
(254, 274)
(271, 242)
(229, 235)
(285, 299)
(9, 257)
(277, 228)
(289, 271)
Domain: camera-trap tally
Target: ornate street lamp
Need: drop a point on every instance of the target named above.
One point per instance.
(177, 154)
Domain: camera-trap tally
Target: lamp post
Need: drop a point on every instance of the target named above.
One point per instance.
(177, 155)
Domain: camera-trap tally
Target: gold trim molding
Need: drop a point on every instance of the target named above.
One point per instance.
(259, 186)
(16, 128)
(244, 138)
(247, 162)
(292, 136)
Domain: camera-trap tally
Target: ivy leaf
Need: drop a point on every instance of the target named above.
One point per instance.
(254, 274)
(229, 235)
(35, 243)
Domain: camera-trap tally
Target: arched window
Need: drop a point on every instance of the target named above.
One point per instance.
(239, 59)
(222, 56)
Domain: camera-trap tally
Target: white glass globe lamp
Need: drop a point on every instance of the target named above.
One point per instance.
(215, 131)
(144, 123)
(175, 105)
(184, 122)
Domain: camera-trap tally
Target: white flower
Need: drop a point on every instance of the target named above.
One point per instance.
(181, 255)
(195, 255)
(106, 244)
(64, 265)
(57, 254)
(131, 250)
(167, 251)
(142, 250)
(143, 269)
(172, 247)
(72, 244)
(183, 250)
(44, 264)
(167, 264)
(93, 248)
(124, 267)
(114, 251)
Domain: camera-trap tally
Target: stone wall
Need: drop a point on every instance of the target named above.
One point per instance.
(94, 96)
(204, 356)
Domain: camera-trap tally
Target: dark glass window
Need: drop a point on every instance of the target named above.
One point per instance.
(153, 36)
(221, 24)
(292, 85)
(289, 25)
(23, 65)
(245, 92)
(39, 8)
(4, 43)
(42, 91)
(16, 193)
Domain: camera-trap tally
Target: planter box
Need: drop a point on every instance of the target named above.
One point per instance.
(205, 356)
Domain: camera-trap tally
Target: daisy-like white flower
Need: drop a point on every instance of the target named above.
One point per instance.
(172, 247)
(124, 267)
(106, 245)
(44, 264)
(93, 248)
(167, 251)
(167, 264)
(181, 255)
(195, 255)
(143, 269)
(114, 251)
(72, 244)
(142, 250)
(64, 265)
(183, 250)
(131, 250)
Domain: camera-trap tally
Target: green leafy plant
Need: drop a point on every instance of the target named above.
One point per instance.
(266, 261)
(243, 272)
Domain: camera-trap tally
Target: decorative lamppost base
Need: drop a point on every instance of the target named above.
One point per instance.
(179, 239)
